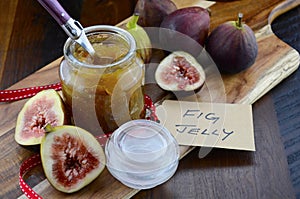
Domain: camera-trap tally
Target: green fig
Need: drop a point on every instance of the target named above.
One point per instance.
(143, 43)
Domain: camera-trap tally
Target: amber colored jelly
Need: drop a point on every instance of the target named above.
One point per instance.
(104, 92)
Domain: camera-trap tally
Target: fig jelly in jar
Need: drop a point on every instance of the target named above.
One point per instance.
(104, 91)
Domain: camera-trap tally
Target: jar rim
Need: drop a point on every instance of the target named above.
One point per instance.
(132, 125)
(101, 29)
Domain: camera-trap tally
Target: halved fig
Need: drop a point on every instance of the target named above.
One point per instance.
(46, 107)
(180, 71)
(71, 157)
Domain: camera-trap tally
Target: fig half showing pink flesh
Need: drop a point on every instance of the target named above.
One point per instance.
(71, 157)
(46, 107)
(180, 71)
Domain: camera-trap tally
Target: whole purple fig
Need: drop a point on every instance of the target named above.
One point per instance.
(152, 12)
(191, 21)
(232, 46)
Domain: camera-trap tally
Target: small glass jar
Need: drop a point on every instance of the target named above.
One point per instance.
(102, 96)
(142, 154)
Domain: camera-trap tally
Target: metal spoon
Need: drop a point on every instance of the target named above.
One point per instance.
(72, 27)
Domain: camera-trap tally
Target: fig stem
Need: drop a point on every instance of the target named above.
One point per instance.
(239, 21)
(48, 127)
(133, 21)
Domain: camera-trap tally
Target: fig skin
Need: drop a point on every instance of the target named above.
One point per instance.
(166, 81)
(45, 107)
(232, 46)
(152, 12)
(191, 21)
(82, 151)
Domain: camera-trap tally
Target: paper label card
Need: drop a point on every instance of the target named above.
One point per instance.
(209, 124)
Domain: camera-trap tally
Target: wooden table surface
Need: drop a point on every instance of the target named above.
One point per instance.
(30, 39)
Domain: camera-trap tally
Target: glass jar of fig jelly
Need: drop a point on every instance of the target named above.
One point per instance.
(103, 93)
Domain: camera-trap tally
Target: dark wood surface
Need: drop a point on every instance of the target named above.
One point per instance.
(30, 39)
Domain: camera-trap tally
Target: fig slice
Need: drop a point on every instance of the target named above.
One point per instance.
(71, 157)
(46, 107)
(180, 71)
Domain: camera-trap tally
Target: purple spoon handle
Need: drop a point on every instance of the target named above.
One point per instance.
(56, 11)
(73, 28)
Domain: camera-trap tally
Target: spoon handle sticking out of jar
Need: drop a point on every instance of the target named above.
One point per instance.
(72, 27)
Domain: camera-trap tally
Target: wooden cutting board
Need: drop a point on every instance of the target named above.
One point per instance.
(276, 61)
